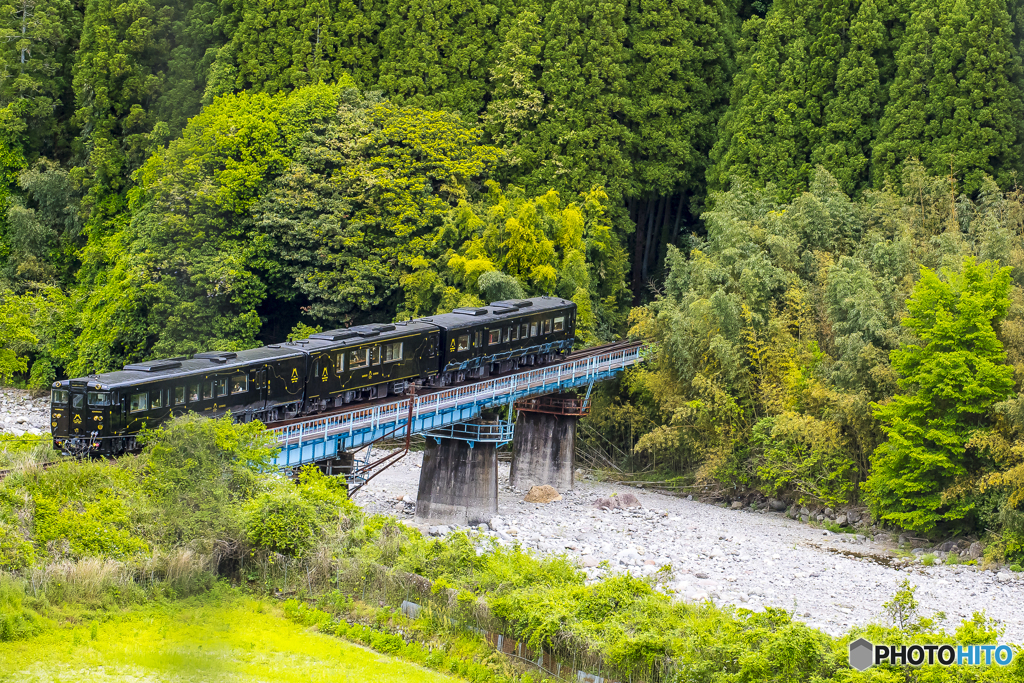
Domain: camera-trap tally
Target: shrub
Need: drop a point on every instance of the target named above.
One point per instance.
(202, 471)
(42, 374)
(281, 521)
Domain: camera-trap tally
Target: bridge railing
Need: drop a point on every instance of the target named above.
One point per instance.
(323, 437)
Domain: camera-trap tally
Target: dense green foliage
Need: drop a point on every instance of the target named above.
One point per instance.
(811, 347)
(953, 379)
(772, 178)
(90, 538)
(199, 483)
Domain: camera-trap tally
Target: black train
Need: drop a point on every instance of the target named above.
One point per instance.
(102, 413)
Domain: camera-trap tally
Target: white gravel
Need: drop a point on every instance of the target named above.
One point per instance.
(21, 414)
(739, 557)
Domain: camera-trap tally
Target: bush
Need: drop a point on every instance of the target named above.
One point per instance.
(327, 495)
(202, 472)
(42, 374)
(282, 521)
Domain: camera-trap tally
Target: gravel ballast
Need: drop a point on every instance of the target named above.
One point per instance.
(746, 558)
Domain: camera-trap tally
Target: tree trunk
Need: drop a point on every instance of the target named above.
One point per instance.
(679, 215)
(657, 217)
(638, 249)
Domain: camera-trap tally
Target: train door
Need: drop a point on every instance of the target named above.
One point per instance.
(98, 404)
(260, 387)
(79, 413)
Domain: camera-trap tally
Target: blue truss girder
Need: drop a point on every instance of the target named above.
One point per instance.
(324, 437)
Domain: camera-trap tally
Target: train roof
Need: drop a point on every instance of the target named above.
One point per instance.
(497, 310)
(201, 363)
(359, 334)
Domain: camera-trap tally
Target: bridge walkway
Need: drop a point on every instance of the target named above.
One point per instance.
(327, 436)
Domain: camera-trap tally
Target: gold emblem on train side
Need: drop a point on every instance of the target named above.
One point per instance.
(78, 419)
(295, 374)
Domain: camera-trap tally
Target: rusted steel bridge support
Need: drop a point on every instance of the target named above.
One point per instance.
(545, 441)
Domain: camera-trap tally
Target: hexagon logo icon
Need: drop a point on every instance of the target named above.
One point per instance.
(861, 652)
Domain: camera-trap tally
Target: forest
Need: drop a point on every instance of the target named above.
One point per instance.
(811, 210)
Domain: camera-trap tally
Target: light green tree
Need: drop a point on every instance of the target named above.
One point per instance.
(952, 375)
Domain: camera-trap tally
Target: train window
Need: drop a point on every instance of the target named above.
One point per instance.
(358, 359)
(154, 399)
(494, 336)
(59, 397)
(392, 352)
(339, 363)
(239, 384)
(193, 393)
(533, 329)
(547, 326)
(98, 398)
(179, 396)
(524, 330)
(478, 338)
(77, 400)
(508, 334)
(221, 386)
(463, 342)
(559, 324)
(139, 402)
(515, 332)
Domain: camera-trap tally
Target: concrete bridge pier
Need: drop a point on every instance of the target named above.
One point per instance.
(544, 446)
(459, 478)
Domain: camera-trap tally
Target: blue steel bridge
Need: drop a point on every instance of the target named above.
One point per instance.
(444, 412)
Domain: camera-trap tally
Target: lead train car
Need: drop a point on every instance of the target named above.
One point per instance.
(103, 413)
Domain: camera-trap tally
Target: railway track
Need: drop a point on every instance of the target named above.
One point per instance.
(46, 465)
(576, 355)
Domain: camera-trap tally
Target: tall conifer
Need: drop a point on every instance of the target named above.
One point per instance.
(439, 53)
(38, 38)
(851, 114)
(956, 99)
(575, 138)
(764, 133)
(681, 67)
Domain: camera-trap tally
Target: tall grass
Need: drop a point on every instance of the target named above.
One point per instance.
(96, 581)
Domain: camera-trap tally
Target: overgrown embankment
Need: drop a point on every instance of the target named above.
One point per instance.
(199, 502)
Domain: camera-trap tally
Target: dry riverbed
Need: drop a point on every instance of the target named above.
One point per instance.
(739, 557)
(21, 414)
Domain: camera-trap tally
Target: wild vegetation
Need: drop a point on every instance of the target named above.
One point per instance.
(812, 209)
(833, 349)
(92, 549)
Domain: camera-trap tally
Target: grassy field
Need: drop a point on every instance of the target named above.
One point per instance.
(227, 637)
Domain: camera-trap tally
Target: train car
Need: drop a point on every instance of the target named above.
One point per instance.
(501, 337)
(367, 362)
(103, 413)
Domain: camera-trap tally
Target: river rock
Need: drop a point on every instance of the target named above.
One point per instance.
(542, 494)
(976, 550)
(628, 500)
(776, 505)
